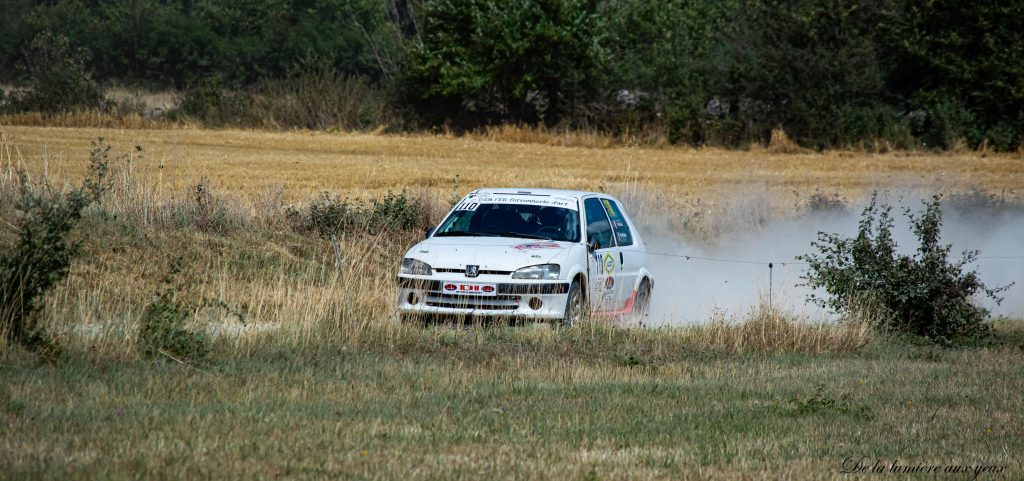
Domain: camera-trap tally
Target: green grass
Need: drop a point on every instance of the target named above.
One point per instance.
(489, 403)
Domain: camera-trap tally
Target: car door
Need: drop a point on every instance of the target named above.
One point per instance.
(603, 262)
(631, 257)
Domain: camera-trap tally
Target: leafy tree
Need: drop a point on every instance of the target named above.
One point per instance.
(963, 63)
(520, 60)
(58, 79)
(800, 64)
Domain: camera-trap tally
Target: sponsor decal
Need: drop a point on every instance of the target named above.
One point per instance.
(472, 271)
(609, 282)
(537, 245)
(473, 289)
(562, 202)
(468, 204)
(609, 263)
(608, 207)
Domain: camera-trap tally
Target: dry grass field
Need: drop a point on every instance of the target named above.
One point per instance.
(364, 165)
(310, 377)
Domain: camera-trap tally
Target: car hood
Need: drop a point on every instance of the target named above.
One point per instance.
(490, 253)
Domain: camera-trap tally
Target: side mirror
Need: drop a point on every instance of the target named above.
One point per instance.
(594, 245)
(428, 231)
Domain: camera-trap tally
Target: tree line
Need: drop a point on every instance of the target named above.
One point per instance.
(831, 73)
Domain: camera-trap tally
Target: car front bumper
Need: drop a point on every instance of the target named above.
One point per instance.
(426, 296)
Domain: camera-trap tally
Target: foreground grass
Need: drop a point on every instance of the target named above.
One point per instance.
(481, 403)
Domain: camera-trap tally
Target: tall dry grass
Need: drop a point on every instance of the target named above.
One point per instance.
(94, 119)
(251, 277)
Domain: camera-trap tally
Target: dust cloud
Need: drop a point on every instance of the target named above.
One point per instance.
(691, 290)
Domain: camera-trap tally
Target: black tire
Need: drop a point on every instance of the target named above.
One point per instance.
(573, 305)
(642, 306)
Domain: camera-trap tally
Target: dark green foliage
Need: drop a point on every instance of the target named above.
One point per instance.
(924, 294)
(947, 122)
(57, 78)
(163, 329)
(330, 215)
(963, 63)
(177, 43)
(822, 403)
(875, 74)
(325, 216)
(521, 60)
(808, 63)
(215, 105)
(311, 97)
(394, 212)
(42, 255)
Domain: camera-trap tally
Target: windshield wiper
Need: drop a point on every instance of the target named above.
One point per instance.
(457, 233)
(524, 236)
(489, 234)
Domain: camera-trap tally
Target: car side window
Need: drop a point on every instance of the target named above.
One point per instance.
(597, 223)
(622, 233)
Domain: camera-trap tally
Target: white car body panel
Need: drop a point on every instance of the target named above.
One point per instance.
(448, 290)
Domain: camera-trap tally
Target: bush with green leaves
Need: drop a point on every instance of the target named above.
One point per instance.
(925, 294)
(163, 328)
(332, 215)
(42, 254)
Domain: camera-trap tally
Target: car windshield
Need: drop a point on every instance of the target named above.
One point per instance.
(513, 220)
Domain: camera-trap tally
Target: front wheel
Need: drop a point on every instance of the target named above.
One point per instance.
(642, 305)
(573, 305)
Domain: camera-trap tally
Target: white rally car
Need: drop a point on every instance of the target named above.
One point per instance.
(529, 253)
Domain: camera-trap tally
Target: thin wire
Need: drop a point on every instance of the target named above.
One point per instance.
(765, 263)
(717, 259)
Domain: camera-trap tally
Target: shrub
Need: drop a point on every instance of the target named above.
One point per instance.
(214, 105)
(163, 325)
(308, 98)
(58, 80)
(948, 122)
(42, 254)
(395, 213)
(209, 214)
(924, 294)
(326, 216)
(331, 215)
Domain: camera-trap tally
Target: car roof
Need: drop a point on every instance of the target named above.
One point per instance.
(574, 194)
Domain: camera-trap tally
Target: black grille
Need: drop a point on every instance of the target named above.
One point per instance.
(480, 303)
(503, 288)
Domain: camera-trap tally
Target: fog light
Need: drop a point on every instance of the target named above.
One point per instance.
(413, 298)
(535, 303)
